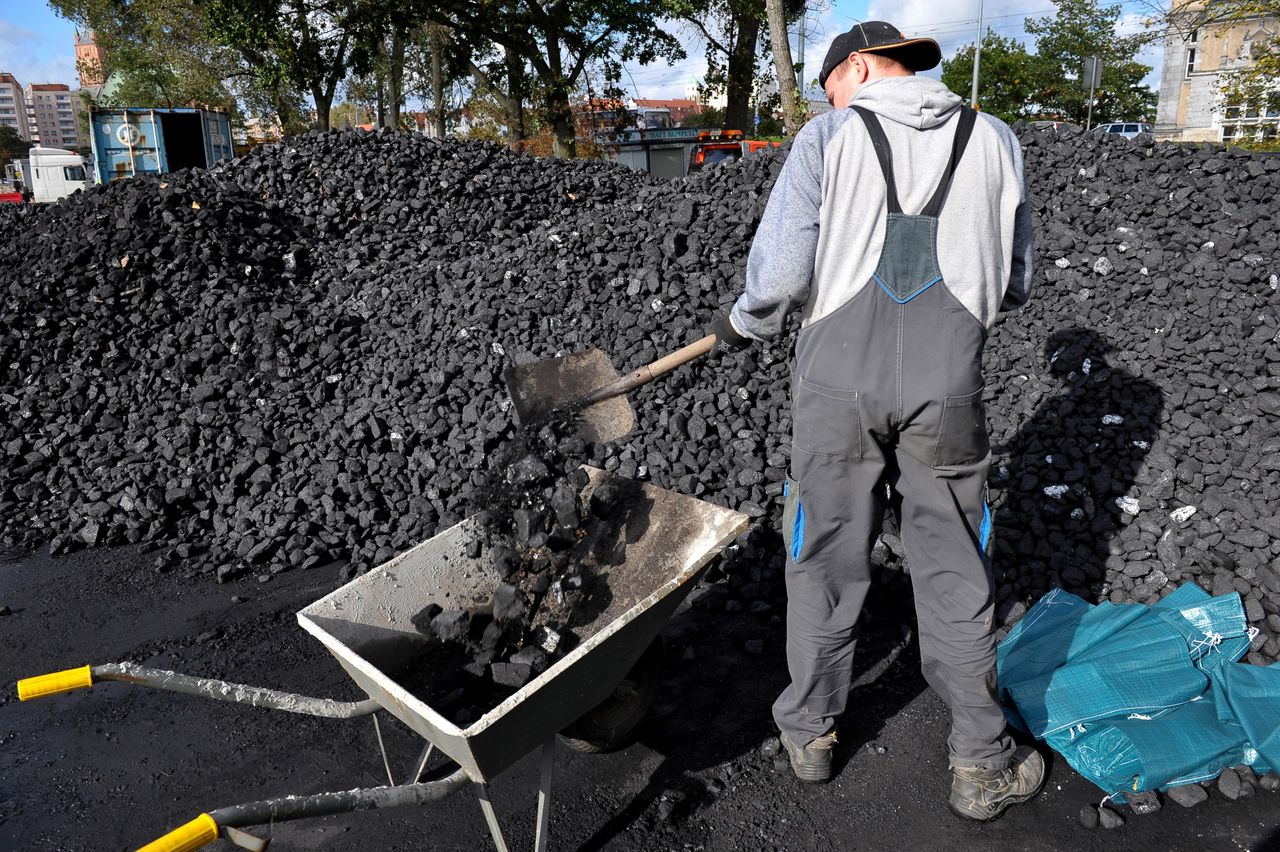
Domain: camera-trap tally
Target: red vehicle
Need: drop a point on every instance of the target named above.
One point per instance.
(728, 147)
(11, 197)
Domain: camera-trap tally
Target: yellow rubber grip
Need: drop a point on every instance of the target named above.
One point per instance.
(199, 832)
(53, 684)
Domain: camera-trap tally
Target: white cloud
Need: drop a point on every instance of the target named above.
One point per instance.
(953, 23)
(29, 56)
(660, 80)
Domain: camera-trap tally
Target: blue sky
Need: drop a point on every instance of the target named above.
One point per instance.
(37, 46)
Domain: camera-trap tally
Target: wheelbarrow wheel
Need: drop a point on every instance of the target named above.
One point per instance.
(613, 723)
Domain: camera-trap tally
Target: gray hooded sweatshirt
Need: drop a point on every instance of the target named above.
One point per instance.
(823, 227)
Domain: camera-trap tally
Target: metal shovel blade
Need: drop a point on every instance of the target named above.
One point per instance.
(540, 388)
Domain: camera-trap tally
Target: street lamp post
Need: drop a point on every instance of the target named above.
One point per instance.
(977, 60)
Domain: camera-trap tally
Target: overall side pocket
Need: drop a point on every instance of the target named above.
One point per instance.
(825, 421)
(962, 432)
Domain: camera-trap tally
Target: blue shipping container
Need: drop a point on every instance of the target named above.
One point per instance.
(136, 141)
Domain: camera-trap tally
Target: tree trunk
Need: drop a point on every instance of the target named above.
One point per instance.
(380, 104)
(559, 110)
(437, 82)
(741, 71)
(323, 104)
(395, 74)
(782, 64)
(514, 102)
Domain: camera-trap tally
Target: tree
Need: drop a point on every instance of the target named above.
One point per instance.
(1010, 77)
(308, 45)
(558, 40)
(158, 52)
(12, 146)
(731, 31)
(791, 117)
(736, 37)
(504, 81)
(1083, 28)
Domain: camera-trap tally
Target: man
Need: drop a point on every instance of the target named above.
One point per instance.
(900, 223)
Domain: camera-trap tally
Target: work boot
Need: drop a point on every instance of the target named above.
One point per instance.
(984, 794)
(811, 764)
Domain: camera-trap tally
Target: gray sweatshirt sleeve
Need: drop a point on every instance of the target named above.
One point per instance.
(781, 260)
(1023, 241)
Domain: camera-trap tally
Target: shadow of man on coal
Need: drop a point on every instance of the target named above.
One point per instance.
(714, 706)
(1065, 512)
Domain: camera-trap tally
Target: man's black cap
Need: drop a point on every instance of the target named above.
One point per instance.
(918, 54)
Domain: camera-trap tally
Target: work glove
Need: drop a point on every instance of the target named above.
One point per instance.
(727, 338)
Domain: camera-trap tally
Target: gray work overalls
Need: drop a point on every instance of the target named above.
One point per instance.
(889, 386)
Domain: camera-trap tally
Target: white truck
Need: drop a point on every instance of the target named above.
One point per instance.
(49, 174)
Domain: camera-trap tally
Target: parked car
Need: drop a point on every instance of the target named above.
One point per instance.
(1126, 129)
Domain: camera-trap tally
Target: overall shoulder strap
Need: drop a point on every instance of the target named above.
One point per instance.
(964, 128)
(883, 154)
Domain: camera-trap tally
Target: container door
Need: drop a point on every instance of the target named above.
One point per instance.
(125, 143)
(217, 137)
(667, 161)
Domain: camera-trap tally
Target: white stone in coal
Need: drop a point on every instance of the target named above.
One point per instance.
(1128, 505)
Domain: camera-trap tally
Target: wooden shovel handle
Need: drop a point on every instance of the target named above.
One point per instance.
(649, 372)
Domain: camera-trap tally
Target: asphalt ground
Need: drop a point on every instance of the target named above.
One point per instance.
(115, 766)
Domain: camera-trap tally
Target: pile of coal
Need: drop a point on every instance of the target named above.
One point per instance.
(1234, 782)
(534, 516)
(295, 358)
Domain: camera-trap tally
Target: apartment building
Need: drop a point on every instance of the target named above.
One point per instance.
(51, 113)
(13, 106)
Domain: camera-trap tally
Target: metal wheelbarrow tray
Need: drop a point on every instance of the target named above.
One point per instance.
(648, 555)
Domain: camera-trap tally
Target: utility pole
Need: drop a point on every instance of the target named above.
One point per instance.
(977, 60)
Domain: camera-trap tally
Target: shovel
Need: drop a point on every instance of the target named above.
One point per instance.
(587, 382)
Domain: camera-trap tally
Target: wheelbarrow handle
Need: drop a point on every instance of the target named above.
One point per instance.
(201, 831)
(56, 683)
(649, 372)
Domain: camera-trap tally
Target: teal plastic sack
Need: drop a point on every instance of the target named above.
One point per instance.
(1139, 697)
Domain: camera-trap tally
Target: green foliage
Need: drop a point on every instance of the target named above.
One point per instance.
(736, 38)
(158, 52)
(12, 146)
(1258, 84)
(1007, 73)
(1265, 145)
(1083, 28)
(299, 45)
(559, 39)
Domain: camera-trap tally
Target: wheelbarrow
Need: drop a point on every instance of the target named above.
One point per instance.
(648, 555)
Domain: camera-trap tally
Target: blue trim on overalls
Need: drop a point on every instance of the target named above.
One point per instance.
(797, 526)
(921, 289)
(797, 531)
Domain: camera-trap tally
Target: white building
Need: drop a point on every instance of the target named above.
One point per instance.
(1190, 107)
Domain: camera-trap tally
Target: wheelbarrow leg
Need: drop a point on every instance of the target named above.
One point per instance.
(482, 792)
(542, 835)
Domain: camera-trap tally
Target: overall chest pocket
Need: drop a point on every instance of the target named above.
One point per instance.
(825, 421)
